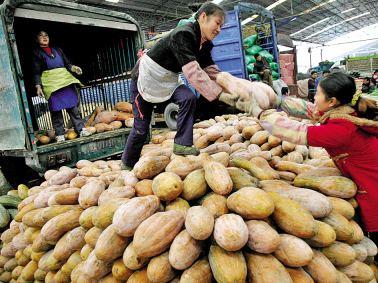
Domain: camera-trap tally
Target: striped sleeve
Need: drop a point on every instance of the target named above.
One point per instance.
(201, 81)
(281, 126)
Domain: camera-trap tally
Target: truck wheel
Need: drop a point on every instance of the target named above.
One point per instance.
(170, 115)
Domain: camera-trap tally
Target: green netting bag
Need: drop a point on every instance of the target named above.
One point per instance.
(250, 40)
(273, 66)
(268, 57)
(253, 50)
(184, 22)
(275, 75)
(250, 68)
(254, 77)
(249, 59)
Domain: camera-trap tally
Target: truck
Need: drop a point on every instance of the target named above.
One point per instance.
(103, 43)
(364, 66)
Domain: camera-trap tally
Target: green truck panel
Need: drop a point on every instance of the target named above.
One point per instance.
(12, 133)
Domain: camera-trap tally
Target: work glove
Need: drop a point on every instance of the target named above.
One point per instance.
(76, 69)
(40, 91)
(229, 99)
(255, 108)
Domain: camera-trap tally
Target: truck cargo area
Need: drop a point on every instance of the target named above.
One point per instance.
(106, 56)
(106, 52)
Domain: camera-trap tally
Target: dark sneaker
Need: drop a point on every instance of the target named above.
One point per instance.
(125, 167)
(179, 149)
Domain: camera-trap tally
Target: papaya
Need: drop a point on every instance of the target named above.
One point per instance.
(321, 269)
(178, 204)
(342, 207)
(200, 271)
(49, 263)
(139, 276)
(167, 186)
(103, 215)
(343, 228)
(251, 203)
(240, 178)
(227, 266)
(340, 254)
(85, 219)
(154, 235)
(194, 185)
(182, 166)
(293, 167)
(358, 272)
(291, 217)
(132, 213)
(293, 252)
(230, 232)
(110, 245)
(266, 268)
(258, 167)
(324, 236)
(199, 222)
(262, 238)
(159, 269)
(216, 204)
(120, 271)
(150, 166)
(131, 260)
(71, 263)
(184, 251)
(335, 186)
(57, 226)
(144, 188)
(298, 275)
(217, 176)
(92, 236)
(27, 273)
(69, 243)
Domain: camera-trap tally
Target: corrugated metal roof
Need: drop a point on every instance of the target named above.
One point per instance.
(332, 18)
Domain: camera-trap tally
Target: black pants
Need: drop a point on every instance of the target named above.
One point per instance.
(183, 97)
(311, 96)
(58, 122)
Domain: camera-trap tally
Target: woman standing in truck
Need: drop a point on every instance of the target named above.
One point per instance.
(53, 81)
(155, 79)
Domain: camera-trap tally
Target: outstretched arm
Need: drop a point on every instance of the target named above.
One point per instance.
(280, 125)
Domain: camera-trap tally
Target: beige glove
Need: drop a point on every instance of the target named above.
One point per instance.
(76, 69)
(255, 109)
(40, 91)
(227, 98)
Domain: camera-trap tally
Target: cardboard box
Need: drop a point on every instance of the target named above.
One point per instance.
(288, 80)
(288, 58)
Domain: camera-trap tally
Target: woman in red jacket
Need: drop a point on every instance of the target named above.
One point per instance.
(351, 141)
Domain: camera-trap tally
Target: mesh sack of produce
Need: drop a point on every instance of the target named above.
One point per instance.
(273, 66)
(255, 49)
(249, 59)
(254, 77)
(250, 68)
(184, 22)
(250, 40)
(266, 55)
(275, 74)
